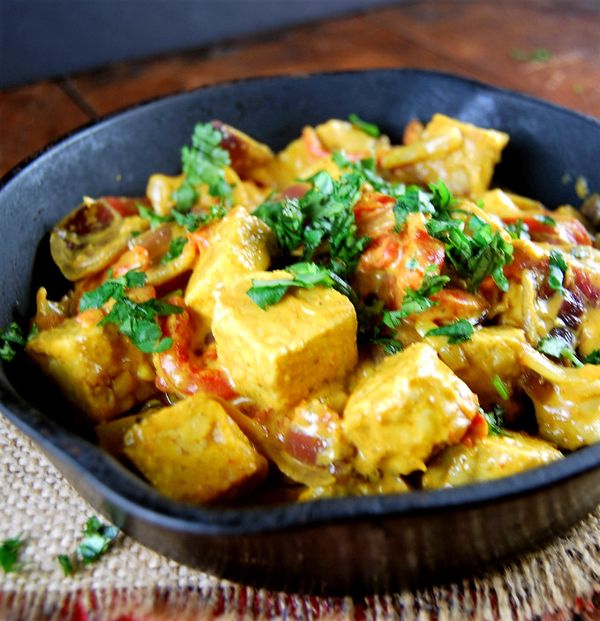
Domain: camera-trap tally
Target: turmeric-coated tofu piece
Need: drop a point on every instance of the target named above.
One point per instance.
(490, 458)
(238, 245)
(489, 353)
(99, 370)
(466, 170)
(410, 406)
(279, 355)
(194, 452)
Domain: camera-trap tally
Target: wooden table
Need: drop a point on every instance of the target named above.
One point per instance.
(548, 48)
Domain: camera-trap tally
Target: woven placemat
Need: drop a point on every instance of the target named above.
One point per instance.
(132, 583)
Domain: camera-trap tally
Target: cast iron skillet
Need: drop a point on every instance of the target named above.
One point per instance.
(344, 545)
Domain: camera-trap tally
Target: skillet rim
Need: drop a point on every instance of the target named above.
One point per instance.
(158, 509)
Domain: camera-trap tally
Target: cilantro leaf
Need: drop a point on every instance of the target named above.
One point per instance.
(9, 554)
(593, 358)
(518, 230)
(495, 421)
(97, 539)
(557, 268)
(457, 332)
(66, 564)
(371, 328)
(154, 218)
(175, 249)
(368, 128)
(544, 219)
(203, 163)
(11, 338)
(137, 321)
(500, 387)
(474, 257)
(320, 225)
(286, 220)
(416, 301)
(559, 345)
(193, 221)
(441, 196)
(265, 293)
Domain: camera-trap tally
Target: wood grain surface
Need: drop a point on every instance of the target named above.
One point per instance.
(548, 48)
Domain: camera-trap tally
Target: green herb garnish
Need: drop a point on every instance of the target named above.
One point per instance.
(518, 230)
(416, 301)
(456, 332)
(97, 538)
(203, 163)
(322, 220)
(368, 128)
(305, 275)
(135, 320)
(66, 564)
(500, 387)
(559, 346)
(593, 358)
(557, 268)
(10, 339)
(154, 218)
(474, 257)
(495, 421)
(544, 219)
(9, 554)
(175, 249)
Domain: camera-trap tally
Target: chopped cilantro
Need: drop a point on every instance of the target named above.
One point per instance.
(368, 128)
(265, 293)
(9, 554)
(456, 332)
(366, 169)
(416, 301)
(203, 163)
(413, 200)
(96, 541)
(66, 564)
(154, 218)
(135, 320)
(322, 218)
(189, 220)
(544, 219)
(559, 345)
(33, 332)
(193, 221)
(371, 328)
(557, 268)
(11, 338)
(97, 538)
(175, 249)
(593, 358)
(441, 198)
(495, 421)
(474, 257)
(518, 230)
(500, 387)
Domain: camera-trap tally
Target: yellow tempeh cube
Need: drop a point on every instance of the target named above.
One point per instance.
(410, 405)
(99, 370)
(238, 245)
(193, 451)
(279, 355)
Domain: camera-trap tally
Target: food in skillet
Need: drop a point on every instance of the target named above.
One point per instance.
(344, 317)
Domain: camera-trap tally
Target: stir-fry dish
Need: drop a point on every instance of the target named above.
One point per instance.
(346, 316)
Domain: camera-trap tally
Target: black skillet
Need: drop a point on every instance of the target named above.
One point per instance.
(344, 545)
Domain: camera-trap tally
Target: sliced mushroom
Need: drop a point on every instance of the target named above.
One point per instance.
(92, 236)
